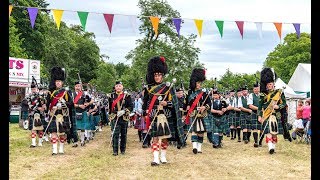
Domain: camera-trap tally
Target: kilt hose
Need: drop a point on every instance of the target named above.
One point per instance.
(120, 131)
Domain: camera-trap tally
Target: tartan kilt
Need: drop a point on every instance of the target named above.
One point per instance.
(65, 126)
(91, 123)
(221, 127)
(208, 122)
(96, 120)
(231, 120)
(245, 121)
(40, 128)
(83, 123)
(24, 115)
(266, 131)
(237, 119)
(172, 127)
(254, 122)
(140, 123)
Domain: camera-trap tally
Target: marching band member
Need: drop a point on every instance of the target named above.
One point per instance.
(197, 107)
(37, 107)
(120, 106)
(271, 102)
(159, 104)
(59, 101)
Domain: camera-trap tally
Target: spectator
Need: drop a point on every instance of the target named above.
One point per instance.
(299, 109)
(306, 113)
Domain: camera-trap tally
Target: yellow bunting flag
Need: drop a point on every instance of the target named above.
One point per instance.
(155, 23)
(57, 14)
(10, 9)
(279, 28)
(199, 25)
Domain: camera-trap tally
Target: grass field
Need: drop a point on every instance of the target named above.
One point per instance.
(292, 160)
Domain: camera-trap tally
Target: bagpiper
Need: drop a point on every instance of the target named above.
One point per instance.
(159, 104)
(271, 102)
(37, 108)
(59, 101)
(198, 106)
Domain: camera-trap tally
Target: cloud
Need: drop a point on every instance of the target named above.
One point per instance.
(231, 51)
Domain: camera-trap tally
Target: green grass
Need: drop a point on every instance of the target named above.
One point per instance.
(95, 160)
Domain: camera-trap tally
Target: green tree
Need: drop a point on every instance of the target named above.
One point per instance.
(105, 77)
(15, 41)
(180, 52)
(286, 56)
(121, 68)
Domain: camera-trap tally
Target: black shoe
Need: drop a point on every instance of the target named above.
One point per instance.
(115, 154)
(82, 144)
(32, 146)
(232, 138)
(215, 146)
(246, 141)
(53, 154)
(75, 145)
(290, 139)
(239, 140)
(228, 135)
(179, 146)
(199, 151)
(255, 145)
(260, 145)
(194, 150)
(154, 164)
(271, 151)
(123, 152)
(144, 146)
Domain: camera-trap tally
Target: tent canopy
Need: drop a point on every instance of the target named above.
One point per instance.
(300, 80)
(288, 91)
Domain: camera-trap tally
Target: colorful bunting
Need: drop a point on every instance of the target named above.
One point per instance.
(220, 27)
(259, 29)
(33, 12)
(83, 16)
(10, 9)
(278, 27)
(155, 23)
(133, 22)
(109, 19)
(199, 23)
(177, 24)
(240, 27)
(57, 14)
(297, 28)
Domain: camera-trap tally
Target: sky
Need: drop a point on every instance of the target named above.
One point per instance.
(218, 54)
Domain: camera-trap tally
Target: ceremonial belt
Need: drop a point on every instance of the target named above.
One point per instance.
(116, 101)
(195, 102)
(76, 99)
(56, 98)
(153, 100)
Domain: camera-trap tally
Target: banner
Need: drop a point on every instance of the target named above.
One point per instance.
(199, 23)
(240, 27)
(57, 14)
(279, 28)
(109, 19)
(22, 70)
(220, 27)
(177, 24)
(297, 28)
(10, 9)
(33, 12)
(155, 23)
(83, 19)
(259, 29)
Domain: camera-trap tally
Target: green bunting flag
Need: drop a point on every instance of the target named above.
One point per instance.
(220, 27)
(83, 19)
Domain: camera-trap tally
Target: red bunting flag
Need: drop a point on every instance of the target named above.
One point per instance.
(109, 20)
(240, 27)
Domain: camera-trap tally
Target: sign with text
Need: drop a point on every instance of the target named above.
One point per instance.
(22, 70)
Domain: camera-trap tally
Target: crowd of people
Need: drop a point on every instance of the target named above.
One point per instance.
(163, 113)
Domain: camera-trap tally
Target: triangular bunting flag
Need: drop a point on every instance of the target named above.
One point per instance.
(240, 27)
(83, 19)
(10, 9)
(199, 23)
(220, 27)
(279, 28)
(133, 22)
(57, 14)
(33, 12)
(177, 24)
(109, 20)
(259, 28)
(297, 28)
(155, 23)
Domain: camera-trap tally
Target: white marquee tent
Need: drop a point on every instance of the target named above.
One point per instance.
(288, 91)
(300, 80)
